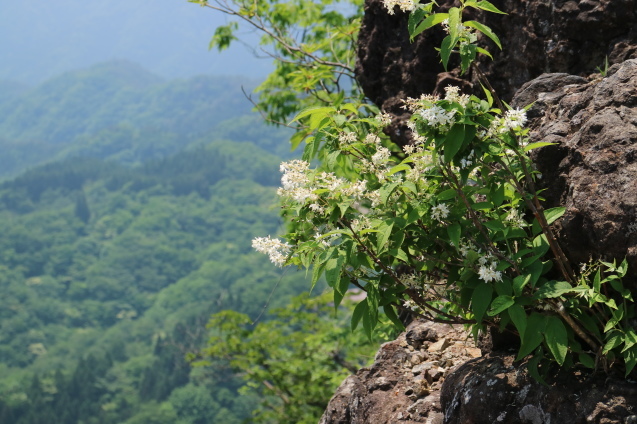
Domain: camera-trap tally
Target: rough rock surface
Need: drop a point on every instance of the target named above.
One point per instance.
(493, 390)
(592, 169)
(403, 385)
(538, 36)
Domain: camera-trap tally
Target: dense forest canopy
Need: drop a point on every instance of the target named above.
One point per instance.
(127, 211)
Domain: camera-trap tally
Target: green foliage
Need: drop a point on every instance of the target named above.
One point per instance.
(451, 225)
(312, 42)
(126, 265)
(293, 362)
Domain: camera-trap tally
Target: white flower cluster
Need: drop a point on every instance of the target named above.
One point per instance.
(425, 100)
(513, 119)
(277, 250)
(381, 156)
(348, 137)
(384, 119)
(405, 5)
(295, 181)
(515, 219)
(440, 212)
(452, 94)
(487, 271)
(372, 139)
(437, 116)
(468, 161)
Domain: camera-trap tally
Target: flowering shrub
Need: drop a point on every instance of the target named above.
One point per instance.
(450, 226)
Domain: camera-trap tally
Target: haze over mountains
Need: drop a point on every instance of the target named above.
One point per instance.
(39, 40)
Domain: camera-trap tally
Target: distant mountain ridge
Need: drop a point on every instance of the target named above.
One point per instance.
(118, 110)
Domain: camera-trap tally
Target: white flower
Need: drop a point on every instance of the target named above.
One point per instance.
(317, 208)
(488, 274)
(294, 174)
(437, 116)
(274, 248)
(348, 137)
(440, 212)
(384, 119)
(382, 155)
(405, 5)
(356, 190)
(514, 119)
(452, 94)
(372, 139)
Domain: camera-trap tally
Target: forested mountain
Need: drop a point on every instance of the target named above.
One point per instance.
(133, 230)
(119, 111)
(109, 274)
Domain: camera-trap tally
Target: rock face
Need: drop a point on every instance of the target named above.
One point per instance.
(403, 385)
(592, 169)
(538, 36)
(493, 390)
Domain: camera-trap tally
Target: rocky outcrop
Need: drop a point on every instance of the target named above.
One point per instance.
(494, 390)
(592, 169)
(538, 36)
(403, 385)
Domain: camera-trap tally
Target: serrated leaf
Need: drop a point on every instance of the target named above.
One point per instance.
(315, 110)
(556, 338)
(446, 47)
(391, 314)
(386, 191)
(384, 232)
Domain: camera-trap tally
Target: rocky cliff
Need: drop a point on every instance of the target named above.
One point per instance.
(551, 49)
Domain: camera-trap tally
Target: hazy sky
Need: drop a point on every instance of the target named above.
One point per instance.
(41, 39)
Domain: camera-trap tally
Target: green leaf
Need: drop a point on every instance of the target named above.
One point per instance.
(480, 300)
(485, 5)
(518, 316)
(322, 111)
(454, 231)
(537, 145)
(340, 290)
(519, 282)
(384, 232)
(446, 48)
(333, 268)
(612, 343)
(487, 93)
(533, 334)
(359, 311)
(391, 314)
(552, 289)
(587, 360)
(499, 304)
(453, 141)
(454, 21)
(447, 194)
(554, 214)
(541, 245)
(533, 366)
(387, 190)
(414, 18)
(556, 338)
(597, 282)
(618, 314)
(485, 30)
(429, 21)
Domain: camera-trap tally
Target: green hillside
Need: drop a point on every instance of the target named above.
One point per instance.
(110, 273)
(119, 111)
